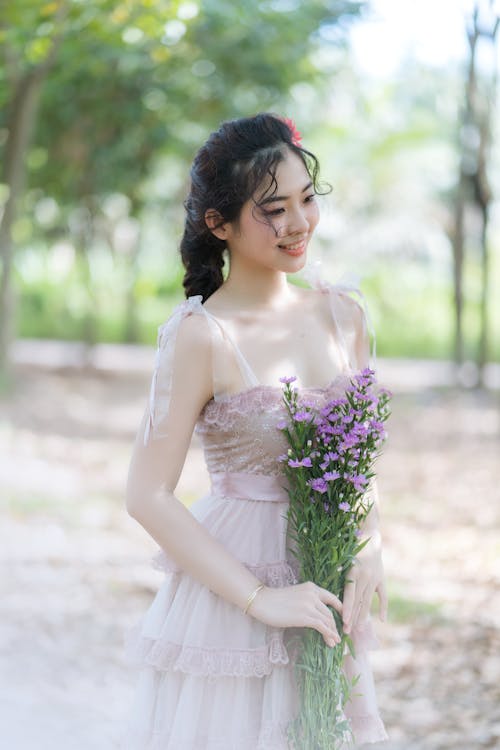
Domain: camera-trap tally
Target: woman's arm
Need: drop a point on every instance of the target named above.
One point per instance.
(155, 470)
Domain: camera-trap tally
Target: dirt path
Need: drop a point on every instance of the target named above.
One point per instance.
(76, 570)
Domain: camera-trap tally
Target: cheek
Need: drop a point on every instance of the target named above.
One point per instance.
(313, 216)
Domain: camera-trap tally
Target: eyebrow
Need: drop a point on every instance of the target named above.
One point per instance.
(274, 198)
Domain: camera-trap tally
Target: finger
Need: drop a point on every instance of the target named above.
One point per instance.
(365, 606)
(328, 618)
(383, 602)
(359, 601)
(330, 637)
(349, 600)
(328, 598)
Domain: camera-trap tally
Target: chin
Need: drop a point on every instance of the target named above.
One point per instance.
(296, 264)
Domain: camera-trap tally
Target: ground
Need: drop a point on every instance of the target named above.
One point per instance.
(77, 573)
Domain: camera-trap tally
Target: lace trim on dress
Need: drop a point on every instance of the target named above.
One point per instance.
(196, 660)
(224, 414)
(277, 574)
(368, 728)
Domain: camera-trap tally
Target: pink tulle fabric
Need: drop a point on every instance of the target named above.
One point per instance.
(212, 677)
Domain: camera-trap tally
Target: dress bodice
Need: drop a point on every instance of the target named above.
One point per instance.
(240, 433)
(239, 430)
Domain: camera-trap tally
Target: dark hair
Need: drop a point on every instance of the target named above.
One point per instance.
(225, 173)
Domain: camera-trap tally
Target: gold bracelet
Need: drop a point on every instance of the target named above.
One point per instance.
(252, 597)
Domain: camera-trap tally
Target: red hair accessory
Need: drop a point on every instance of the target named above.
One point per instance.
(296, 136)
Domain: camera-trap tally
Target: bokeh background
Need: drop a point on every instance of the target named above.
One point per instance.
(102, 107)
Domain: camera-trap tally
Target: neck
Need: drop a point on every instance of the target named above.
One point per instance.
(257, 287)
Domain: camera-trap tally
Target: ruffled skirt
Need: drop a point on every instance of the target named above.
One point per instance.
(214, 678)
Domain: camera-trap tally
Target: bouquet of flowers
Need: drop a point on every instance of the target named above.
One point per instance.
(329, 467)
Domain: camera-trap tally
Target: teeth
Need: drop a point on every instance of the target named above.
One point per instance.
(293, 247)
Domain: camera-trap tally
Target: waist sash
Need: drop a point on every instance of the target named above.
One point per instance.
(245, 486)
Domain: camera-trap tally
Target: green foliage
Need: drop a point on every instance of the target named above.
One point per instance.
(402, 609)
(135, 87)
(58, 304)
(133, 79)
(410, 320)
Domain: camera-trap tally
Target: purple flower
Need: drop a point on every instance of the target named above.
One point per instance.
(282, 424)
(307, 403)
(318, 484)
(344, 506)
(283, 457)
(360, 431)
(365, 377)
(302, 416)
(349, 441)
(337, 402)
(295, 463)
(360, 395)
(358, 480)
(288, 378)
(331, 476)
(326, 507)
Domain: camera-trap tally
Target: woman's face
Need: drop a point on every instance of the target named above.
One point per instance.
(275, 226)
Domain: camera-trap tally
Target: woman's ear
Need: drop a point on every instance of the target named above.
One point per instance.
(216, 224)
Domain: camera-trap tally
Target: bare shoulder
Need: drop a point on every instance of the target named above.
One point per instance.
(346, 309)
(315, 303)
(194, 334)
(353, 312)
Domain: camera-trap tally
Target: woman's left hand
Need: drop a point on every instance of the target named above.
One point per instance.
(365, 577)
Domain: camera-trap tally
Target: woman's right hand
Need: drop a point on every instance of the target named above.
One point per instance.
(300, 605)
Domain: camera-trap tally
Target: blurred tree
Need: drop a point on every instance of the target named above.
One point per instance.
(118, 82)
(38, 41)
(473, 187)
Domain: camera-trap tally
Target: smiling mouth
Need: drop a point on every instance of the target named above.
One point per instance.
(296, 248)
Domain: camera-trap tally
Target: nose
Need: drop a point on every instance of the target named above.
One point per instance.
(298, 222)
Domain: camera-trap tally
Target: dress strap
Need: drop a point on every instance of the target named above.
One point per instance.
(161, 381)
(313, 273)
(249, 377)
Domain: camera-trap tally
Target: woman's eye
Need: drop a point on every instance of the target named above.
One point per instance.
(275, 212)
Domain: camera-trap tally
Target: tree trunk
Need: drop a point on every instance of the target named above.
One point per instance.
(483, 349)
(458, 263)
(20, 123)
(21, 118)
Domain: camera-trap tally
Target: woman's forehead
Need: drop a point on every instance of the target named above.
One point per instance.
(290, 176)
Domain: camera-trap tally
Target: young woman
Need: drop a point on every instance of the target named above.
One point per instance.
(217, 664)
